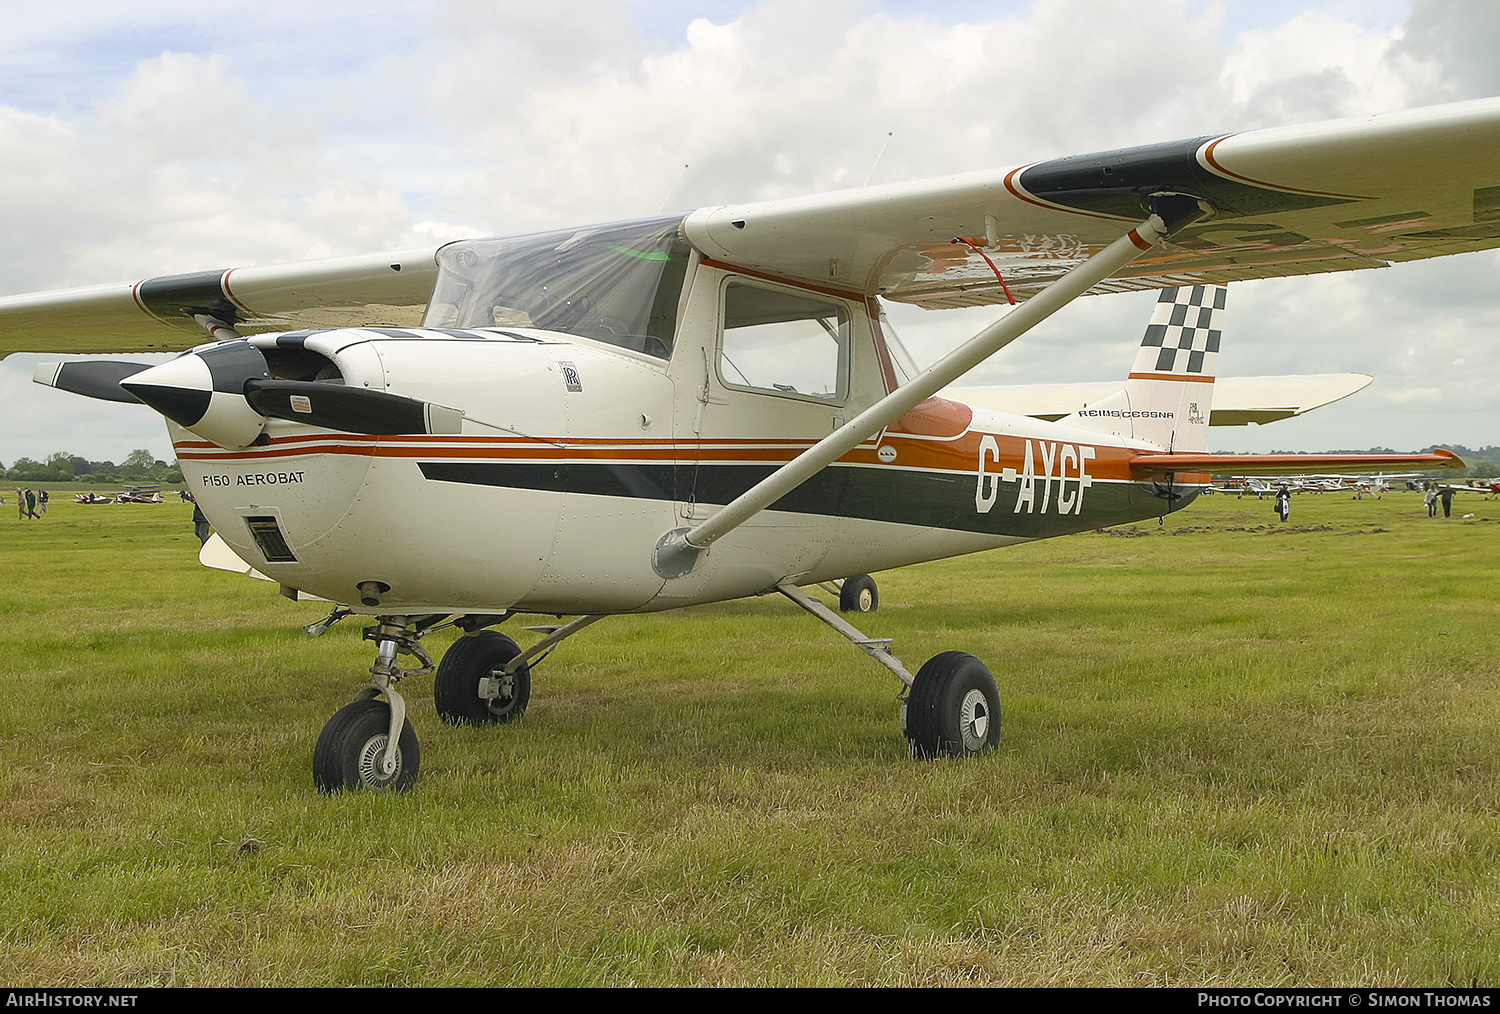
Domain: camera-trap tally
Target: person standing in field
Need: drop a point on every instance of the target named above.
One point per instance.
(1430, 499)
(31, 504)
(1446, 496)
(41, 499)
(201, 527)
(20, 504)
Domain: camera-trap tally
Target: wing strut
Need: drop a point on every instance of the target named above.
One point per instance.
(677, 552)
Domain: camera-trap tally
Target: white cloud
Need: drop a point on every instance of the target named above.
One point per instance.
(1313, 67)
(180, 138)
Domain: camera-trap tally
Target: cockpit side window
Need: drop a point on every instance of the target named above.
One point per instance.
(618, 283)
(784, 342)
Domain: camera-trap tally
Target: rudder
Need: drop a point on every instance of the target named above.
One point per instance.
(1169, 394)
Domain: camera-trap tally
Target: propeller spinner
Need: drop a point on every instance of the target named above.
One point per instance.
(204, 391)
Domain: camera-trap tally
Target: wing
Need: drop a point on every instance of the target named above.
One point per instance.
(156, 314)
(1238, 401)
(1328, 197)
(1335, 196)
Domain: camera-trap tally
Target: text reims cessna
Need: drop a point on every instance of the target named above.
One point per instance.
(686, 409)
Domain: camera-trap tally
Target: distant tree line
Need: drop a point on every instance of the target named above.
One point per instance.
(1481, 461)
(139, 467)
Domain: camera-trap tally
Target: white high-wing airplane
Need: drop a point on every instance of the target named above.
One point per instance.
(1376, 485)
(697, 407)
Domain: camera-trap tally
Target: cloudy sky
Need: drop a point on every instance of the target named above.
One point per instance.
(156, 136)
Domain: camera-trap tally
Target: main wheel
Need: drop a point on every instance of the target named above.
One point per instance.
(352, 743)
(954, 708)
(463, 674)
(858, 594)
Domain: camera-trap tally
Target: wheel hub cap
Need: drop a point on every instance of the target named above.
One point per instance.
(369, 762)
(974, 720)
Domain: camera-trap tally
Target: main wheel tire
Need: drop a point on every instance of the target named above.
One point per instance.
(472, 659)
(350, 747)
(953, 709)
(859, 594)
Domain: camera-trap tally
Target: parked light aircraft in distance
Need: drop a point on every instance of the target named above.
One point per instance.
(1376, 485)
(697, 407)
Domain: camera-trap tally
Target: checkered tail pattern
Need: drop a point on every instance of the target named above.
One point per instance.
(1183, 336)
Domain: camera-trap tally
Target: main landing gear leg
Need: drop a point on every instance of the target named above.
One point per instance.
(369, 744)
(951, 707)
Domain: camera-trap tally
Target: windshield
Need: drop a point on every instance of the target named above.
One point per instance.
(615, 283)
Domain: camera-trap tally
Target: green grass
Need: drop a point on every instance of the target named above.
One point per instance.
(1235, 752)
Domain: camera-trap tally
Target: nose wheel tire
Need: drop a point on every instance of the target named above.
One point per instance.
(859, 594)
(471, 686)
(352, 744)
(953, 709)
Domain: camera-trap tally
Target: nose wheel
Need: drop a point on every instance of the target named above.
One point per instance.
(352, 751)
(355, 749)
(484, 678)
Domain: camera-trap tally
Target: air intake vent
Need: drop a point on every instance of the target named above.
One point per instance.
(267, 535)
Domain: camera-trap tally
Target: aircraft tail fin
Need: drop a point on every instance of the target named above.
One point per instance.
(1169, 395)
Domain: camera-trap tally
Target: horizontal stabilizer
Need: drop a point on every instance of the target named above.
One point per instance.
(1238, 401)
(1288, 464)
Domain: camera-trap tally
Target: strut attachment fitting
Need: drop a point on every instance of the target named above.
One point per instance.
(217, 327)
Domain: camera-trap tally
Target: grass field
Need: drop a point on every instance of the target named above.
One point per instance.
(1235, 752)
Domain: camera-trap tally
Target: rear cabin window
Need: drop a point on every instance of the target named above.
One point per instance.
(784, 342)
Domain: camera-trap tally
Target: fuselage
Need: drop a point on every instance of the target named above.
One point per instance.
(576, 456)
(609, 386)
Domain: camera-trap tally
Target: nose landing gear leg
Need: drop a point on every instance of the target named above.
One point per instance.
(369, 744)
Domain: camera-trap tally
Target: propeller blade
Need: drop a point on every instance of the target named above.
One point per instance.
(350, 409)
(97, 379)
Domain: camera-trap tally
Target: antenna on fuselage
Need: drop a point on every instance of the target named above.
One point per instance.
(667, 198)
(888, 135)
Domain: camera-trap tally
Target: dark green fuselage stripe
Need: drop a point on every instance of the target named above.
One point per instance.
(899, 496)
